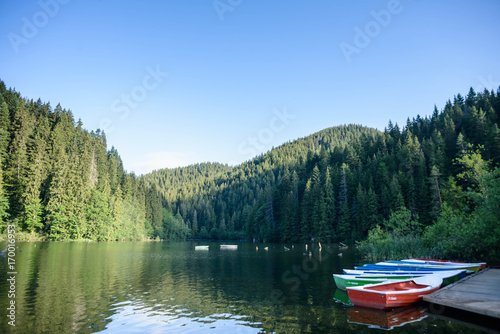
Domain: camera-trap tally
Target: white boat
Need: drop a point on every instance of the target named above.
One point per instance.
(482, 265)
(201, 247)
(466, 266)
(342, 281)
(229, 247)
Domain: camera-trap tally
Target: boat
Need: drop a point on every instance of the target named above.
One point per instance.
(229, 247)
(394, 294)
(481, 264)
(397, 267)
(475, 267)
(343, 281)
(386, 320)
(201, 247)
(385, 272)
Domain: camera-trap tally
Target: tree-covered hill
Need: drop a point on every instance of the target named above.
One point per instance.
(339, 183)
(58, 181)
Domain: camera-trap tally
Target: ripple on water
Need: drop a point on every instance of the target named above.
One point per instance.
(136, 318)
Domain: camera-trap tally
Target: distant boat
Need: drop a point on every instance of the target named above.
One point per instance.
(201, 247)
(233, 247)
(394, 294)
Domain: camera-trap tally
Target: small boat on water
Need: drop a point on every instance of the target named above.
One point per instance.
(394, 294)
(398, 267)
(233, 247)
(416, 263)
(344, 281)
(386, 272)
(201, 247)
(482, 265)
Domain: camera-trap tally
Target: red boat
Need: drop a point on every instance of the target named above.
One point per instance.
(394, 294)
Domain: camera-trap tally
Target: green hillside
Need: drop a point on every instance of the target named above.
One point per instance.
(59, 181)
(342, 182)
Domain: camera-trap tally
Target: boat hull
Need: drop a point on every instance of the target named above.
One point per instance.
(393, 294)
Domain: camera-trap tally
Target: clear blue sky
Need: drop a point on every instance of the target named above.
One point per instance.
(184, 81)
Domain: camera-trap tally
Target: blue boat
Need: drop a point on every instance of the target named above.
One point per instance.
(399, 272)
(397, 268)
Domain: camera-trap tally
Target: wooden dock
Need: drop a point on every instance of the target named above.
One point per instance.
(478, 293)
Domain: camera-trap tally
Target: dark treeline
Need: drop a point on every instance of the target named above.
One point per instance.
(59, 181)
(342, 182)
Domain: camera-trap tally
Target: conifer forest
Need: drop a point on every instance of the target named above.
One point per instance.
(432, 184)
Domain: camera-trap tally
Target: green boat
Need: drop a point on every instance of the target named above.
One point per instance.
(344, 281)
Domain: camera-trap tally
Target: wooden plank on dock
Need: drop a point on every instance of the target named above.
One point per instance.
(478, 293)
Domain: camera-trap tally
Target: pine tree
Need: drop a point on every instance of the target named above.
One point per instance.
(372, 207)
(98, 217)
(4, 128)
(35, 174)
(361, 212)
(435, 190)
(16, 164)
(4, 203)
(329, 210)
(344, 229)
(57, 219)
(194, 229)
(396, 195)
(306, 210)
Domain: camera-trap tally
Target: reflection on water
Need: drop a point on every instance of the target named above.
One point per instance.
(386, 319)
(160, 287)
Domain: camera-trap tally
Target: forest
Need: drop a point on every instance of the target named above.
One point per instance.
(59, 181)
(432, 183)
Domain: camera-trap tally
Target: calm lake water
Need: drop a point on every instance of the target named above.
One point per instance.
(169, 287)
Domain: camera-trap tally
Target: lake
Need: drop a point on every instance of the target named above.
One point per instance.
(169, 287)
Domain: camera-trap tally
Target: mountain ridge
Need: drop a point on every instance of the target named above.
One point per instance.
(384, 170)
